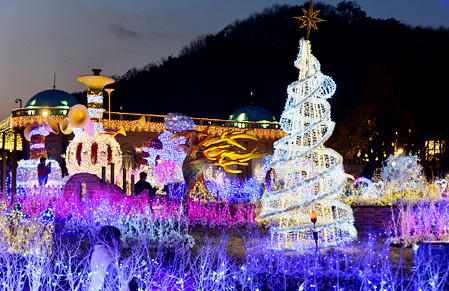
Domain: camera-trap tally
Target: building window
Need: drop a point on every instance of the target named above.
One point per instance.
(433, 149)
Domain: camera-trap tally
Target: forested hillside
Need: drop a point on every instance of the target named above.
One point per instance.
(387, 73)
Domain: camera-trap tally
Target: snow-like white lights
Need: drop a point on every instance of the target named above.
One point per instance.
(178, 122)
(307, 176)
(169, 171)
(40, 130)
(27, 174)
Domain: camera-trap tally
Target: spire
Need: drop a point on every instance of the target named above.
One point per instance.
(54, 80)
(252, 97)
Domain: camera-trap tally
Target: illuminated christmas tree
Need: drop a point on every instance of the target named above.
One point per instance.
(308, 176)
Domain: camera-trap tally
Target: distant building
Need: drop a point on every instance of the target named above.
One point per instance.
(57, 103)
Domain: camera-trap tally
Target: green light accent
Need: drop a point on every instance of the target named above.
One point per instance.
(52, 98)
(252, 113)
(242, 117)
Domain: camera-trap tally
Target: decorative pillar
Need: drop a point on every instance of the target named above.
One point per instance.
(95, 85)
(4, 166)
(14, 169)
(37, 142)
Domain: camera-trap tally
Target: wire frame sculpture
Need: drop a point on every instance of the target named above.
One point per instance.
(307, 176)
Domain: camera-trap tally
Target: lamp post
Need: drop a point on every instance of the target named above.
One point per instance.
(109, 90)
(313, 218)
(19, 101)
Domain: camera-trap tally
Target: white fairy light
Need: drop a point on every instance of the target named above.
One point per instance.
(27, 174)
(40, 130)
(37, 146)
(170, 154)
(94, 99)
(178, 122)
(309, 176)
(81, 157)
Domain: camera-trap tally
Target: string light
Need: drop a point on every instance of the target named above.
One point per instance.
(308, 175)
(178, 122)
(39, 130)
(23, 121)
(95, 110)
(25, 236)
(260, 133)
(9, 144)
(37, 143)
(27, 174)
(170, 169)
(88, 154)
(401, 177)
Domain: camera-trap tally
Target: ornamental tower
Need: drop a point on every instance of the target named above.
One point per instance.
(309, 176)
(95, 85)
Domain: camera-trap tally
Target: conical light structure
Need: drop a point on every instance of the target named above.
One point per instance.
(308, 176)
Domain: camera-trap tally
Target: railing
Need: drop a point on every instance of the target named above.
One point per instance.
(39, 111)
(148, 117)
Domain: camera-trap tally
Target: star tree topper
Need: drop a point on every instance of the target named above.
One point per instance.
(309, 19)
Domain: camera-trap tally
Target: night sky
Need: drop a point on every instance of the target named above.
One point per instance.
(38, 38)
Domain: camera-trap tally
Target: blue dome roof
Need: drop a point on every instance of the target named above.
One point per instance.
(252, 113)
(52, 98)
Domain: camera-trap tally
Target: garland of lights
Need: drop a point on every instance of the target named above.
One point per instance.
(23, 121)
(37, 142)
(9, 141)
(169, 170)
(260, 133)
(309, 175)
(29, 236)
(88, 154)
(95, 107)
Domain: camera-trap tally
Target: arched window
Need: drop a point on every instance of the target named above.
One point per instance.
(128, 157)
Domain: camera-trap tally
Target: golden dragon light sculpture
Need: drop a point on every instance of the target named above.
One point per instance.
(203, 148)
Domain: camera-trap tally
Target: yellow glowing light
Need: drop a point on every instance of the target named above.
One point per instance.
(309, 19)
(80, 159)
(95, 82)
(260, 133)
(219, 149)
(26, 237)
(9, 145)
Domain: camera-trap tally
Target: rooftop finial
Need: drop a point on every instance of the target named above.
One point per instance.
(251, 97)
(96, 72)
(54, 80)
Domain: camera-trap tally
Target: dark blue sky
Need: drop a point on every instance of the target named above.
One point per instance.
(71, 37)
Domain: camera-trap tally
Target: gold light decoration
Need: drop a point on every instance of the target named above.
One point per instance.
(219, 149)
(260, 133)
(9, 145)
(37, 142)
(95, 84)
(309, 19)
(88, 154)
(26, 237)
(203, 148)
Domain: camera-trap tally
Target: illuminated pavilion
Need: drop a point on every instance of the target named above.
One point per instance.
(57, 104)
